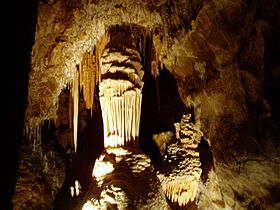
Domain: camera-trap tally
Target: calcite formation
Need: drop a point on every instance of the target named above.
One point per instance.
(96, 56)
(125, 179)
(120, 88)
(180, 171)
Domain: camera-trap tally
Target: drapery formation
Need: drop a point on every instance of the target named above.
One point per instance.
(120, 90)
(85, 80)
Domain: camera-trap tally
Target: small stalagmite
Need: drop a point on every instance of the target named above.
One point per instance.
(181, 173)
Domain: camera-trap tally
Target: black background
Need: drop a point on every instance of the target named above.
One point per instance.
(18, 28)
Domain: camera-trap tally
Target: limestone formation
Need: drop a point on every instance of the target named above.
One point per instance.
(90, 64)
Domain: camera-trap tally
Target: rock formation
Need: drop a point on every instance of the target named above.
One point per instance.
(90, 64)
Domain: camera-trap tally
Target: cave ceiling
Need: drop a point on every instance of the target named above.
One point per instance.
(196, 41)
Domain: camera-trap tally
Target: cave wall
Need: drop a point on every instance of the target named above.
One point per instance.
(208, 48)
(216, 52)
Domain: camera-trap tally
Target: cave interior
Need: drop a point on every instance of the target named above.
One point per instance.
(151, 105)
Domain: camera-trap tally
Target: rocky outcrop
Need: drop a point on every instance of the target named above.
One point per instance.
(124, 178)
(40, 176)
(180, 171)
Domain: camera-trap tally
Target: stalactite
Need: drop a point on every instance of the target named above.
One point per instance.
(156, 60)
(90, 71)
(35, 136)
(154, 64)
(70, 111)
(75, 96)
(121, 118)
(87, 78)
(99, 47)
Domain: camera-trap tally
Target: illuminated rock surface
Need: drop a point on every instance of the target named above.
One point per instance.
(89, 58)
(124, 178)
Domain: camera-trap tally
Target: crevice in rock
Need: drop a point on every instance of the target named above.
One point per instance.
(90, 145)
(154, 120)
(206, 158)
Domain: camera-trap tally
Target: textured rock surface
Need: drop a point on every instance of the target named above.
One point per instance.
(254, 184)
(124, 179)
(40, 176)
(180, 171)
(217, 52)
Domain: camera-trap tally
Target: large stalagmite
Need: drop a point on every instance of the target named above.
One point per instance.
(120, 89)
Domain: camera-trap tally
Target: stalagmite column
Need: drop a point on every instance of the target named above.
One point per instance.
(120, 90)
(181, 173)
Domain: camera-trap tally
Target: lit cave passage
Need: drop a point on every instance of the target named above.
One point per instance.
(161, 108)
(151, 105)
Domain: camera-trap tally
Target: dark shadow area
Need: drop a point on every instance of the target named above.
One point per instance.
(272, 79)
(206, 158)
(269, 11)
(79, 165)
(19, 38)
(176, 206)
(161, 108)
